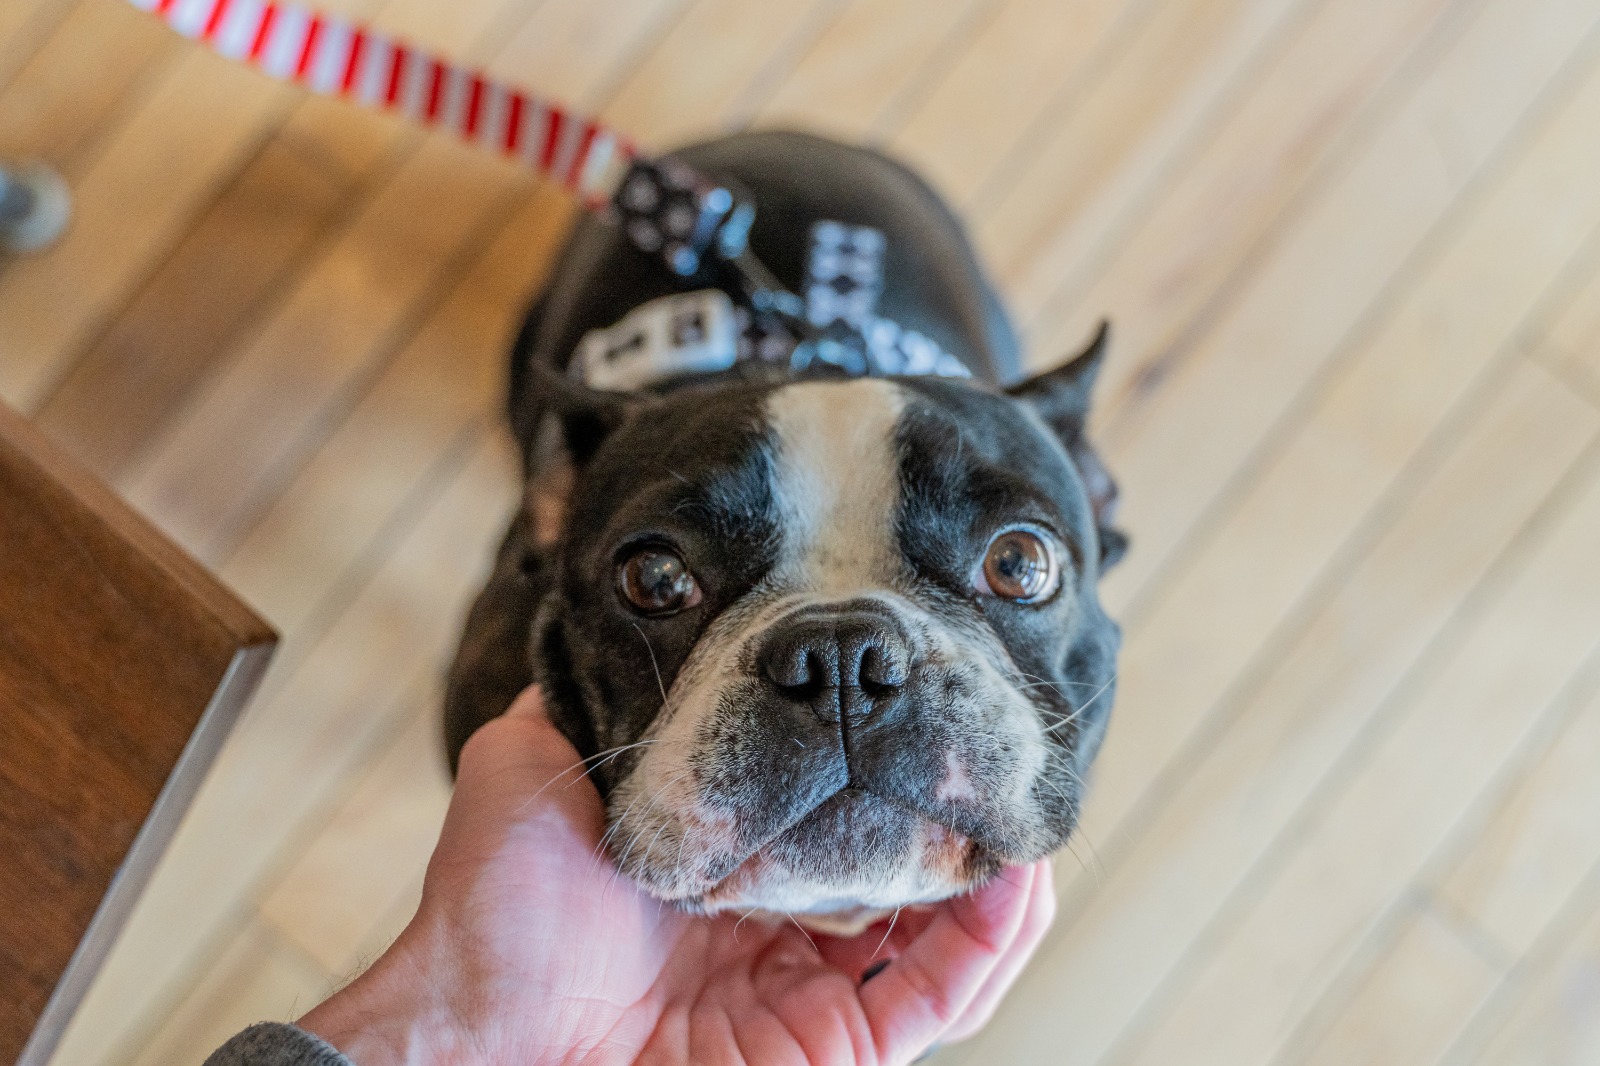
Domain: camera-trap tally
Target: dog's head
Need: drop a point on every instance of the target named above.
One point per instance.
(836, 643)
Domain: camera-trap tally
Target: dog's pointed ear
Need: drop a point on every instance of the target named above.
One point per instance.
(1061, 398)
(587, 416)
(561, 424)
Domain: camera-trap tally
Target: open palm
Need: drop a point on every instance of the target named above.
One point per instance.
(530, 947)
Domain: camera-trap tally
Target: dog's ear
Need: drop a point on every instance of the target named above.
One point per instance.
(568, 424)
(1061, 398)
(586, 416)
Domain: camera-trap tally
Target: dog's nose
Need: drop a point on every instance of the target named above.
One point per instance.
(838, 664)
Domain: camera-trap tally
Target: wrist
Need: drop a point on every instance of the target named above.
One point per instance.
(397, 1013)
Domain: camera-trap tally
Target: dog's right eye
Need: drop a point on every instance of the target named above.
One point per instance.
(656, 581)
(1019, 565)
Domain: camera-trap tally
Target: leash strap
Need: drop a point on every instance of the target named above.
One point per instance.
(666, 209)
(335, 57)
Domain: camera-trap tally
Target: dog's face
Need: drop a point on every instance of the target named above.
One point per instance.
(837, 643)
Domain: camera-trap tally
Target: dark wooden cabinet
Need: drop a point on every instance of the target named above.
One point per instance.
(123, 664)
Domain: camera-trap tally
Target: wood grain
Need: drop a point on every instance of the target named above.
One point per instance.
(871, 52)
(79, 82)
(1170, 81)
(1435, 570)
(121, 394)
(1504, 889)
(1257, 360)
(1398, 387)
(131, 207)
(1434, 976)
(678, 96)
(258, 977)
(353, 307)
(1306, 919)
(23, 25)
(296, 754)
(1152, 266)
(1548, 1013)
(1028, 58)
(123, 667)
(362, 863)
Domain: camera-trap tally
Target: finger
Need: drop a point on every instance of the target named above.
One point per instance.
(530, 704)
(1041, 912)
(510, 775)
(920, 995)
(518, 751)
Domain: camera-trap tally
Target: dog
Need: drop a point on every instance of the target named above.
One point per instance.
(830, 641)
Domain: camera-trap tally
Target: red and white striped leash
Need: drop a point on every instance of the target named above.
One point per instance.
(335, 57)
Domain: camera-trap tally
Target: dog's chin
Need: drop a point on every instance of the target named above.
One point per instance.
(851, 861)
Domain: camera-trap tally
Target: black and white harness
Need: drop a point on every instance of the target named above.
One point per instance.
(749, 324)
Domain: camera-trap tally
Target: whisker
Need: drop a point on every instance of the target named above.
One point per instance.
(1070, 772)
(1098, 868)
(803, 933)
(653, 664)
(1039, 682)
(623, 861)
(1048, 713)
(1051, 785)
(1090, 703)
(609, 753)
(615, 826)
(892, 919)
(664, 823)
(614, 753)
(677, 862)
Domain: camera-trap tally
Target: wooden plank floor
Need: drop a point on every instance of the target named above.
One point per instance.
(1348, 811)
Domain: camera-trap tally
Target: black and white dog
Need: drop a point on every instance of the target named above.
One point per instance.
(835, 637)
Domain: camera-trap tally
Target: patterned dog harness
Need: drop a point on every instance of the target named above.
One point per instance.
(687, 223)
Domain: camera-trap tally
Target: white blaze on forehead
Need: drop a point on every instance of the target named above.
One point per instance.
(836, 483)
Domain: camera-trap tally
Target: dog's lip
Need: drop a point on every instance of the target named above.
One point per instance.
(741, 863)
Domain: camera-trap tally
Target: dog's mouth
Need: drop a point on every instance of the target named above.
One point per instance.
(853, 852)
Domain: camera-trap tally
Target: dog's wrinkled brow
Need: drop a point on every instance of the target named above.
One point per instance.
(726, 500)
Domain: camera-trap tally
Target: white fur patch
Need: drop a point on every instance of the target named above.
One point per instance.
(836, 482)
(957, 783)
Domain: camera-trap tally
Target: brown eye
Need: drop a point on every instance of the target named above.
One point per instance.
(1020, 565)
(656, 581)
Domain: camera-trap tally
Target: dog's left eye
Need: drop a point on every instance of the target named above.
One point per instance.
(1020, 565)
(656, 581)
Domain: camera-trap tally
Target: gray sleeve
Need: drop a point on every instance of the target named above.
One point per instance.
(276, 1044)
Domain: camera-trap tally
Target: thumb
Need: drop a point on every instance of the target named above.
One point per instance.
(516, 747)
(530, 704)
(519, 768)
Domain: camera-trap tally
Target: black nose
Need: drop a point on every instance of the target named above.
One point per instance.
(848, 663)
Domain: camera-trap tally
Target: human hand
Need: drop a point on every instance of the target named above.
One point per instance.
(529, 947)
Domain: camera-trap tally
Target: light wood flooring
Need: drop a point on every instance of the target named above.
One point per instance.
(1349, 811)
